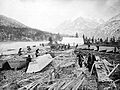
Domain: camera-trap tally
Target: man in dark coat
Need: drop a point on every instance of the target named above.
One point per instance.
(80, 58)
(93, 59)
(89, 62)
(20, 52)
(28, 60)
(97, 47)
(37, 53)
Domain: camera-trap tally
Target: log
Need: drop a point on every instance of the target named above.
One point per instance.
(66, 85)
(113, 70)
(105, 63)
(33, 87)
(101, 72)
(60, 85)
(78, 84)
(92, 68)
(73, 82)
(52, 86)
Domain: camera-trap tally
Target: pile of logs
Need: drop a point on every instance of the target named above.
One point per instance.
(64, 74)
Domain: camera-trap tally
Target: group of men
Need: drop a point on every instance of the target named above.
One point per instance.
(89, 63)
(29, 58)
(63, 47)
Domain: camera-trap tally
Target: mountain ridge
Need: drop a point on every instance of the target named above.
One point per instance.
(12, 30)
(109, 29)
(80, 25)
(9, 22)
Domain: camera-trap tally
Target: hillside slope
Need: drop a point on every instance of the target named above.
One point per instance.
(12, 30)
(109, 29)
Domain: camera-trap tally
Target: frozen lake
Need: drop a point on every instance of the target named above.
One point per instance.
(4, 46)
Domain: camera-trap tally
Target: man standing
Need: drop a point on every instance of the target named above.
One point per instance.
(37, 53)
(28, 60)
(80, 58)
(20, 52)
(97, 47)
(89, 62)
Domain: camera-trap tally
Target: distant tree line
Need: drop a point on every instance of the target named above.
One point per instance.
(107, 41)
(25, 34)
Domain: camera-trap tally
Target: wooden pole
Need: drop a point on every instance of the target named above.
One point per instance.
(113, 70)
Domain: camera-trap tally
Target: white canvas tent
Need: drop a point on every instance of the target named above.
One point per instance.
(72, 41)
(39, 63)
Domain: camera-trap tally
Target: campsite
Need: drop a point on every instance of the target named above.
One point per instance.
(58, 69)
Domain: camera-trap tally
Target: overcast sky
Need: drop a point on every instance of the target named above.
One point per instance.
(47, 14)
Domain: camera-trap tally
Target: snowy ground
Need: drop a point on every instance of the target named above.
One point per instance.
(4, 46)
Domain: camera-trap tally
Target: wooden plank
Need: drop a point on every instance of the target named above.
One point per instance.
(67, 64)
(60, 85)
(75, 82)
(52, 86)
(40, 63)
(101, 72)
(113, 70)
(28, 86)
(105, 63)
(33, 87)
(78, 84)
(72, 82)
(66, 85)
(92, 68)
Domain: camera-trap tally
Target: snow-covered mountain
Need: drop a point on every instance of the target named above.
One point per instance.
(80, 25)
(109, 29)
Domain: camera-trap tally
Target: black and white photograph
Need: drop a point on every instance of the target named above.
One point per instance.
(59, 44)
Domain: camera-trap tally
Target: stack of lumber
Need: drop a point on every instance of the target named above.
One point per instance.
(62, 74)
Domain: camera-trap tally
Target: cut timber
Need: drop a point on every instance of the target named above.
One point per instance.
(113, 70)
(60, 85)
(39, 63)
(28, 86)
(92, 68)
(101, 72)
(52, 86)
(78, 84)
(106, 63)
(33, 87)
(73, 82)
(10, 52)
(103, 50)
(67, 64)
(66, 85)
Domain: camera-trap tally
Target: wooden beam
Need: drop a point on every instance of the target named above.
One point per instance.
(60, 85)
(52, 86)
(72, 82)
(92, 68)
(106, 66)
(101, 72)
(78, 84)
(113, 70)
